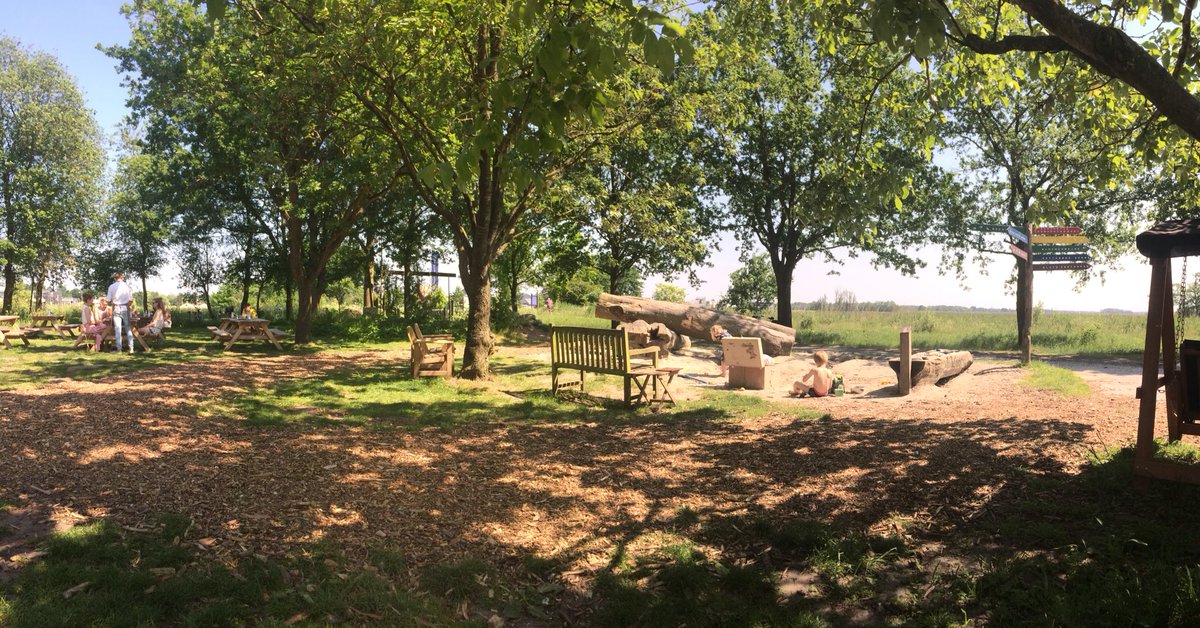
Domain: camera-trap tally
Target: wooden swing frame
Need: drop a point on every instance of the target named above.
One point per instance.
(1160, 364)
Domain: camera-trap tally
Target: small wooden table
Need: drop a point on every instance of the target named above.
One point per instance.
(234, 330)
(10, 329)
(56, 322)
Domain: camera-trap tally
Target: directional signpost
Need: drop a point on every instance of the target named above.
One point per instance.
(1038, 249)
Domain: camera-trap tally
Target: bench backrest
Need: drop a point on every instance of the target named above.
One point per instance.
(585, 348)
(743, 352)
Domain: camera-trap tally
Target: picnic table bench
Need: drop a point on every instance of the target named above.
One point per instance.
(45, 323)
(109, 336)
(606, 351)
(234, 330)
(11, 330)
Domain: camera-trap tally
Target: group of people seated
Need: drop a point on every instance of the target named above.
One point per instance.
(817, 382)
(97, 319)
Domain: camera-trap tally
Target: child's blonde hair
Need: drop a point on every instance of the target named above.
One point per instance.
(716, 330)
(820, 357)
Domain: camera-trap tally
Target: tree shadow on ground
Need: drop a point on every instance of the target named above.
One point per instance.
(698, 519)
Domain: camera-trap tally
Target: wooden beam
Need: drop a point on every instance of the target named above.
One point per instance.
(1160, 277)
(904, 375)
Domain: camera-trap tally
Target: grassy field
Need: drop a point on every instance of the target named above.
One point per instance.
(1054, 333)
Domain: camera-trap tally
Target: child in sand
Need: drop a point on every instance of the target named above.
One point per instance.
(821, 377)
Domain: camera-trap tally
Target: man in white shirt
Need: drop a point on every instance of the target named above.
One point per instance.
(120, 295)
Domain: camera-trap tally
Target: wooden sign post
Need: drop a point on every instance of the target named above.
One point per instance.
(904, 375)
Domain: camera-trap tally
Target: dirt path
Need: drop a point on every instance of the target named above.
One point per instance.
(130, 447)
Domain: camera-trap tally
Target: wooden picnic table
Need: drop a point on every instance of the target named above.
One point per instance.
(10, 329)
(235, 330)
(57, 322)
(109, 336)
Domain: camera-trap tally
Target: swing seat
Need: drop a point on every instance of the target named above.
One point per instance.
(1189, 378)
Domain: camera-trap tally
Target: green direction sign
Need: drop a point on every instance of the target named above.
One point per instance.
(976, 226)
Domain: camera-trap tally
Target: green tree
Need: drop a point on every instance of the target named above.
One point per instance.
(51, 163)
(1161, 65)
(138, 215)
(1032, 160)
(489, 114)
(277, 124)
(637, 198)
(669, 292)
(816, 152)
(751, 287)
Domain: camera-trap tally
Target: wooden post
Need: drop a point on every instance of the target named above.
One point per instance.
(1160, 285)
(904, 376)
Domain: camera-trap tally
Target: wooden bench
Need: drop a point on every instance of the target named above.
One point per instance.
(604, 351)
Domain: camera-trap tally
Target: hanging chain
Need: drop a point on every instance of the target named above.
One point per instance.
(1181, 304)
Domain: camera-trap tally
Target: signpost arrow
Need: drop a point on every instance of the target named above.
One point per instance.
(1018, 234)
(1060, 248)
(1058, 239)
(1062, 257)
(1057, 231)
(1063, 266)
(1018, 251)
(988, 228)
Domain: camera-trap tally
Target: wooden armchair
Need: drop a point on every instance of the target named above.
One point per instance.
(431, 356)
(420, 336)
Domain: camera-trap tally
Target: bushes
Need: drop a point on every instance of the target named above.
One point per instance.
(350, 326)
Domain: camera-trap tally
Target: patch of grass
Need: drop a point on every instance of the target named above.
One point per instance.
(100, 574)
(48, 358)
(1056, 379)
(732, 406)
(384, 396)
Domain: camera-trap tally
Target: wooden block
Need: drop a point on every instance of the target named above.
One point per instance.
(748, 377)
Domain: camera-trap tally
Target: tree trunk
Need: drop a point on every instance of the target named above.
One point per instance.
(406, 279)
(513, 288)
(369, 273)
(694, 321)
(308, 299)
(208, 303)
(477, 283)
(1025, 310)
(613, 278)
(289, 288)
(10, 286)
(145, 295)
(783, 292)
(38, 286)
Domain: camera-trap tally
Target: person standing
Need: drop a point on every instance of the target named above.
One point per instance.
(120, 295)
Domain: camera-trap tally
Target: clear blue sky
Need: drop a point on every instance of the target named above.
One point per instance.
(71, 30)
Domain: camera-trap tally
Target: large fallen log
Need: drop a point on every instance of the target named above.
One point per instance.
(695, 321)
(935, 366)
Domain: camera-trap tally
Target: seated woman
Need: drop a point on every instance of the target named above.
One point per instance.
(160, 321)
(92, 324)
